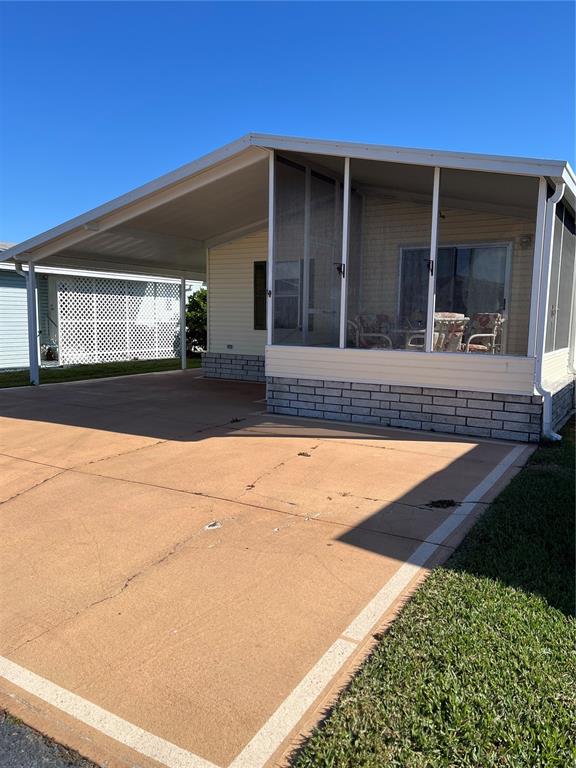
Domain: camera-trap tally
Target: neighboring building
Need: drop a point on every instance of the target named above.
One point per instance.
(365, 284)
(86, 317)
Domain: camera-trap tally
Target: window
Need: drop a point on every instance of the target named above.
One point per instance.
(260, 295)
(471, 281)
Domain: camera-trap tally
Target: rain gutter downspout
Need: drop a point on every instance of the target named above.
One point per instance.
(547, 431)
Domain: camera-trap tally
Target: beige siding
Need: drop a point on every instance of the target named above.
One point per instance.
(231, 295)
(555, 368)
(484, 373)
(390, 226)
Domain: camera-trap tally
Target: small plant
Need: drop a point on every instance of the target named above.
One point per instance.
(196, 320)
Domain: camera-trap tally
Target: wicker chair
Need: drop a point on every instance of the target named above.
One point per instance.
(487, 327)
(370, 332)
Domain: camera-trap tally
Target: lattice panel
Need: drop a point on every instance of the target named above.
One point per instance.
(104, 320)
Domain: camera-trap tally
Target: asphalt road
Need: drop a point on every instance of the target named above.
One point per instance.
(21, 747)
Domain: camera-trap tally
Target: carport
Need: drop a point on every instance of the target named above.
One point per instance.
(163, 228)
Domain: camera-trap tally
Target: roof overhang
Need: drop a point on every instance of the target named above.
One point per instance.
(165, 226)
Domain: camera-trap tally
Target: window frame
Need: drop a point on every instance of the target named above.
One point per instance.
(508, 244)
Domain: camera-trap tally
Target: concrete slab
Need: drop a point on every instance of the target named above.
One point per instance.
(185, 578)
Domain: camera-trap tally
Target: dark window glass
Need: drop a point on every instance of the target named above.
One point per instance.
(260, 295)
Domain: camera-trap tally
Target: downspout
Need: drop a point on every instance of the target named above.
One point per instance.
(546, 394)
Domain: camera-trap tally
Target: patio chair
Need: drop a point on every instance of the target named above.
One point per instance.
(449, 328)
(485, 326)
(370, 332)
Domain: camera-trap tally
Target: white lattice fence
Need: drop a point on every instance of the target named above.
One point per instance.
(102, 320)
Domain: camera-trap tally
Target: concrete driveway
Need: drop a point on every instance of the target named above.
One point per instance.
(186, 581)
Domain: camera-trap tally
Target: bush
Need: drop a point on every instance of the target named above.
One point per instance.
(196, 320)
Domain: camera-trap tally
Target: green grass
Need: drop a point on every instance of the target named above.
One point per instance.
(97, 371)
(478, 670)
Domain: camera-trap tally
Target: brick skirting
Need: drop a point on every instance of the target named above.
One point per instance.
(218, 365)
(563, 405)
(480, 414)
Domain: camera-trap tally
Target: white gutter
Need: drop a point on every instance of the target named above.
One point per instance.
(546, 394)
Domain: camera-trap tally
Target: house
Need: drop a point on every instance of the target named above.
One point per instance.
(130, 317)
(366, 284)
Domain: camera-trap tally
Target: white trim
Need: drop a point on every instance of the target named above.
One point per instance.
(523, 166)
(90, 714)
(280, 725)
(208, 322)
(182, 297)
(547, 430)
(429, 341)
(344, 255)
(43, 270)
(270, 265)
(537, 266)
(33, 338)
(557, 297)
(306, 253)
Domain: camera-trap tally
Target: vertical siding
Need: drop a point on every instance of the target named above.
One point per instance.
(231, 295)
(13, 321)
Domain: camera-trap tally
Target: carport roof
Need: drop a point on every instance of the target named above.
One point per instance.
(165, 226)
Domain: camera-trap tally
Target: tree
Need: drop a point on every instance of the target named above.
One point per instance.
(196, 319)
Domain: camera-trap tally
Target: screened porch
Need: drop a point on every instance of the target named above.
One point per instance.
(387, 256)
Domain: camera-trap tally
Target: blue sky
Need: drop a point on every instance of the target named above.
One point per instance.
(100, 97)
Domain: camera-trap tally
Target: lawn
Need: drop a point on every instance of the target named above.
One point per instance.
(478, 670)
(95, 371)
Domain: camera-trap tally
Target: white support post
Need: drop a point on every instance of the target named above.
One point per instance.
(345, 247)
(270, 270)
(429, 346)
(32, 305)
(543, 309)
(183, 359)
(306, 266)
(537, 266)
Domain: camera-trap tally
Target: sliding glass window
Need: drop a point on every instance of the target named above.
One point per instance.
(307, 253)
(486, 230)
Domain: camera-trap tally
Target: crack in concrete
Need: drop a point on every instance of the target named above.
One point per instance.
(145, 568)
(118, 455)
(31, 488)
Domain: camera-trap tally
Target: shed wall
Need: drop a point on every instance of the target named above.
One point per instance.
(13, 321)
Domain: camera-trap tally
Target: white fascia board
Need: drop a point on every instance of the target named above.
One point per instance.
(160, 184)
(522, 166)
(72, 272)
(569, 178)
